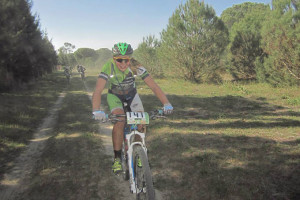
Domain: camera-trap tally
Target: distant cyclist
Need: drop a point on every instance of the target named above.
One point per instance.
(119, 74)
(67, 73)
(81, 69)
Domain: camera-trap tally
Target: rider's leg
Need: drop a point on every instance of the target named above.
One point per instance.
(116, 107)
(118, 133)
(117, 139)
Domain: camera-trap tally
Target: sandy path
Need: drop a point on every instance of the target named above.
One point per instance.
(105, 134)
(14, 181)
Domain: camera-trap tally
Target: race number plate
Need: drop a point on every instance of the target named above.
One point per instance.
(137, 118)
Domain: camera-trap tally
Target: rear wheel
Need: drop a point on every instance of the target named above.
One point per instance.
(142, 174)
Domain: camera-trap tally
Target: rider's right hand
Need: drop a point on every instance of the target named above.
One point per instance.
(99, 115)
(168, 109)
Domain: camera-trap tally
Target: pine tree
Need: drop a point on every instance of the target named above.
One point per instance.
(194, 41)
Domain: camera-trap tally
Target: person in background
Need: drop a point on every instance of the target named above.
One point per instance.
(81, 69)
(67, 73)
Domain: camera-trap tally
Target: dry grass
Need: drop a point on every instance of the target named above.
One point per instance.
(73, 164)
(226, 142)
(21, 112)
(229, 141)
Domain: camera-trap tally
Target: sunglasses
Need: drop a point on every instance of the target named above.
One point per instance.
(120, 60)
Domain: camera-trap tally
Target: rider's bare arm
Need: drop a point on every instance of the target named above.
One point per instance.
(156, 90)
(97, 93)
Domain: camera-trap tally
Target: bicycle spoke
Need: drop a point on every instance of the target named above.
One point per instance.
(143, 178)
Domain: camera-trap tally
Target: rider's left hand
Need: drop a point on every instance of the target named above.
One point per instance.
(168, 109)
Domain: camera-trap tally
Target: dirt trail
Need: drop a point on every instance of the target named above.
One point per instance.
(105, 134)
(14, 181)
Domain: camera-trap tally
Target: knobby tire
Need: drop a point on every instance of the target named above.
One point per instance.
(143, 177)
(125, 165)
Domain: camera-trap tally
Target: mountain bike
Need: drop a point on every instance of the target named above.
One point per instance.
(134, 152)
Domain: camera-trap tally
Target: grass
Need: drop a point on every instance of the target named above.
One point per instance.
(229, 141)
(73, 165)
(226, 142)
(21, 112)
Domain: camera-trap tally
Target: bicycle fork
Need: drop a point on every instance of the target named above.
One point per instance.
(130, 159)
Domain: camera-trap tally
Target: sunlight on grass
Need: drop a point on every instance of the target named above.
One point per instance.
(13, 128)
(231, 163)
(80, 92)
(193, 151)
(47, 171)
(24, 116)
(283, 134)
(13, 182)
(41, 139)
(68, 135)
(11, 144)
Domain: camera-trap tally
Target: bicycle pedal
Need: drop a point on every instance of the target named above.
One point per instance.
(118, 173)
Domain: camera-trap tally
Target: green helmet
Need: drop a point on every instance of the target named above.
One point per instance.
(122, 49)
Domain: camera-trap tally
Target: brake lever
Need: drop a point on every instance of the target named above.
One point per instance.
(157, 116)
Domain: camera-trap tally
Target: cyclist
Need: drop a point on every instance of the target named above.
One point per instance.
(121, 88)
(67, 73)
(81, 69)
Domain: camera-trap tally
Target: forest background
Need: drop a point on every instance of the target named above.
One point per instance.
(248, 42)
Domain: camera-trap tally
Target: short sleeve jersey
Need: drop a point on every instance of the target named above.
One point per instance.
(81, 68)
(118, 80)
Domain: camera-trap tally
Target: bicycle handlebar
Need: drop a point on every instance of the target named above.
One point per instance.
(159, 113)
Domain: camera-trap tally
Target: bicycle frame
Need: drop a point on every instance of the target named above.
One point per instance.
(130, 163)
(132, 148)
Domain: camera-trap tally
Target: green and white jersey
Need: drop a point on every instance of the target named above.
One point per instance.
(119, 81)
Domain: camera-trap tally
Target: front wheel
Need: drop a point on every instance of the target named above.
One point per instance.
(142, 174)
(125, 164)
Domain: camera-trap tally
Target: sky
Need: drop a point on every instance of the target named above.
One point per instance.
(102, 23)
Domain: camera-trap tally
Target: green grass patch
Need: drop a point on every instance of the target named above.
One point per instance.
(225, 141)
(230, 141)
(294, 101)
(22, 111)
(74, 164)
